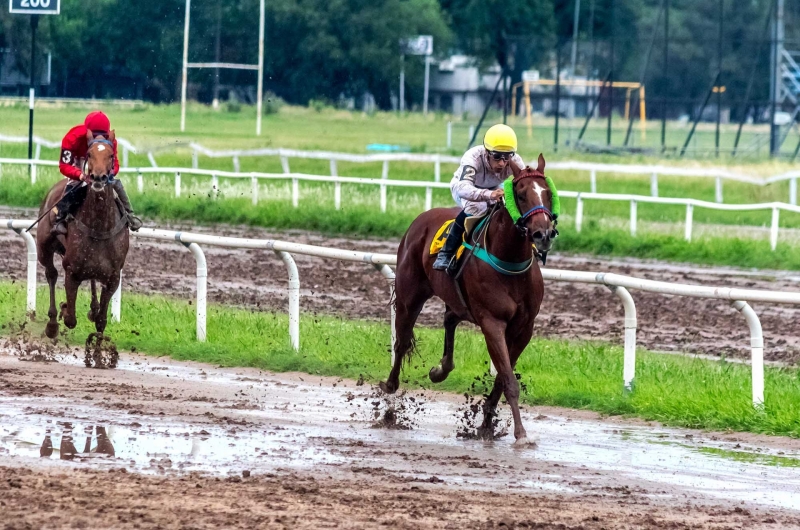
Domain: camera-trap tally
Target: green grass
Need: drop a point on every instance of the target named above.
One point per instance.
(671, 389)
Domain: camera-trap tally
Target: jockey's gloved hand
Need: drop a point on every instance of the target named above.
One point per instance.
(497, 195)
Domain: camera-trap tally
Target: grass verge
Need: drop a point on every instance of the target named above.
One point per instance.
(670, 389)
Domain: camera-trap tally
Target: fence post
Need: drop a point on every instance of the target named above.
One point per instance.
(38, 152)
(285, 164)
(236, 166)
(116, 302)
(579, 214)
(33, 173)
(294, 298)
(471, 133)
(177, 184)
(334, 172)
(385, 170)
(215, 183)
(773, 229)
(756, 351)
(124, 156)
(633, 218)
(388, 273)
(295, 193)
(337, 195)
(593, 181)
(718, 190)
(437, 172)
(30, 246)
(428, 199)
(687, 230)
(383, 198)
(654, 185)
(629, 359)
(254, 189)
(793, 191)
(449, 134)
(194, 160)
(140, 182)
(202, 288)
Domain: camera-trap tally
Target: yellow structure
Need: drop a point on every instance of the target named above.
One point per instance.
(627, 85)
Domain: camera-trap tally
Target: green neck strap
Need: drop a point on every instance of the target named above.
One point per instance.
(511, 202)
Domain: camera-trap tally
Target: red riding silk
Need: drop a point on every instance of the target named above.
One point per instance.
(73, 148)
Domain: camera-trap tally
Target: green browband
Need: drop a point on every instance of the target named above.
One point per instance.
(511, 202)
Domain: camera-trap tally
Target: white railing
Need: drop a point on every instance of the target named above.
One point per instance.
(618, 284)
(384, 184)
(127, 147)
(719, 174)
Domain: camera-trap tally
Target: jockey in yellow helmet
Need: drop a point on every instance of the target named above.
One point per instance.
(478, 183)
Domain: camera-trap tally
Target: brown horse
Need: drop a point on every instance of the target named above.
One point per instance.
(504, 306)
(96, 243)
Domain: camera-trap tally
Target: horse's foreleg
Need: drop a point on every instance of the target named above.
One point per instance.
(92, 316)
(494, 332)
(446, 365)
(51, 273)
(101, 315)
(405, 318)
(71, 285)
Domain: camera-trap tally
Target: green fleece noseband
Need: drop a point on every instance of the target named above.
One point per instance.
(511, 202)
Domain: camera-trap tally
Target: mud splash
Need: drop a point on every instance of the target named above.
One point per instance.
(100, 352)
(27, 344)
(400, 411)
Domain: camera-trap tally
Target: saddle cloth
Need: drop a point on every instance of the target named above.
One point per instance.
(441, 235)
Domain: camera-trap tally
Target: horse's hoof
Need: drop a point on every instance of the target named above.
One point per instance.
(438, 374)
(70, 321)
(388, 388)
(525, 442)
(51, 330)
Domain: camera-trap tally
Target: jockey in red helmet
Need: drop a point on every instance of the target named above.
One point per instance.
(74, 147)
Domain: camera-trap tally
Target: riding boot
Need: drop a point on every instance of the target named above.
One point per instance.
(64, 208)
(451, 246)
(133, 222)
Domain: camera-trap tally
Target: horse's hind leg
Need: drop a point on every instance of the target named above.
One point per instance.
(406, 313)
(446, 365)
(51, 273)
(101, 316)
(92, 316)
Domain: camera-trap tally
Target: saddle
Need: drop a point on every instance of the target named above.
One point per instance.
(441, 235)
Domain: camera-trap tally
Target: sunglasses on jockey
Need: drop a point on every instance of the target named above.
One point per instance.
(496, 155)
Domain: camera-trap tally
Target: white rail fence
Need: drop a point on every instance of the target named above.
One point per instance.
(593, 168)
(618, 284)
(384, 184)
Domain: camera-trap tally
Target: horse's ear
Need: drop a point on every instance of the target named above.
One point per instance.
(112, 136)
(89, 135)
(540, 167)
(515, 169)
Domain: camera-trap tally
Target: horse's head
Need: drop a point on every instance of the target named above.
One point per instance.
(99, 160)
(533, 204)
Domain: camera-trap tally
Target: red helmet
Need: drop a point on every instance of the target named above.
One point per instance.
(97, 122)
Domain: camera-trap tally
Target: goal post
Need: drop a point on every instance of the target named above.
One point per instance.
(231, 66)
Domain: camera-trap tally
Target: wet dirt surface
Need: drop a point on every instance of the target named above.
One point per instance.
(258, 279)
(160, 443)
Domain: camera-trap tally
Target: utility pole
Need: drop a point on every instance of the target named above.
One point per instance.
(217, 53)
(665, 69)
(775, 78)
(611, 80)
(719, 66)
(34, 26)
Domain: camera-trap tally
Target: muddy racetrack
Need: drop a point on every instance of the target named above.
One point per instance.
(258, 279)
(159, 443)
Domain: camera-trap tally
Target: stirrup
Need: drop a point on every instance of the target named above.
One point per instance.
(443, 261)
(60, 228)
(134, 223)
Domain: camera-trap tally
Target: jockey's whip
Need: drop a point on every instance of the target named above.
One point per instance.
(36, 222)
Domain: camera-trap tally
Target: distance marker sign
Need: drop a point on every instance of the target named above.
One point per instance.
(34, 7)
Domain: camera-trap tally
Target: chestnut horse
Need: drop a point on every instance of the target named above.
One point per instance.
(503, 305)
(96, 243)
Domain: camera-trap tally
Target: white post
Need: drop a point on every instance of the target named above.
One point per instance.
(654, 185)
(337, 195)
(383, 198)
(385, 170)
(629, 359)
(202, 289)
(579, 214)
(593, 181)
(260, 89)
(236, 166)
(426, 85)
(34, 167)
(116, 302)
(793, 191)
(756, 351)
(687, 231)
(285, 164)
(718, 190)
(254, 190)
(773, 231)
(388, 273)
(633, 218)
(428, 199)
(215, 183)
(334, 169)
(30, 246)
(294, 298)
(38, 154)
(295, 193)
(152, 159)
(471, 133)
(437, 169)
(401, 103)
(449, 134)
(140, 182)
(185, 65)
(177, 184)
(195, 163)
(124, 156)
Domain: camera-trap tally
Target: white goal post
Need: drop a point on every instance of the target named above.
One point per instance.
(233, 66)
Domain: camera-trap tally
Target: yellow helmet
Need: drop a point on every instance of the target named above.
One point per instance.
(500, 138)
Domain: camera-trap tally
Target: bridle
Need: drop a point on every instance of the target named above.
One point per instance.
(520, 222)
(89, 145)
